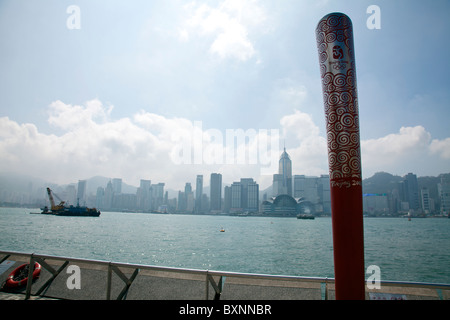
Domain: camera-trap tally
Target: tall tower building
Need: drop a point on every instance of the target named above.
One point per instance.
(236, 202)
(198, 194)
(252, 197)
(282, 182)
(412, 191)
(81, 194)
(444, 194)
(227, 199)
(425, 200)
(143, 194)
(216, 192)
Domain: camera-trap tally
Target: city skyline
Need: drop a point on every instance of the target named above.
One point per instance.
(243, 196)
(289, 195)
(115, 93)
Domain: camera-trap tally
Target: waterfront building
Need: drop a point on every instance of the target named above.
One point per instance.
(100, 197)
(425, 200)
(182, 202)
(109, 195)
(236, 197)
(186, 199)
(284, 205)
(117, 185)
(198, 194)
(189, 197)
(282, 182)
(325, 192)
(143, 195)
(251, 191)
(277, 185)
(215, 192)
(205, 203)
(306, 187)
(124, 202)
(244, 196)
(156, 195)
(81, 192)
(410, 191)
(374, 203)
(315, 190)
(444, 195)
(227, 199)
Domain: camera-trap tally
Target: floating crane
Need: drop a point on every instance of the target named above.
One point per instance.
(62, 210)
(54, 207)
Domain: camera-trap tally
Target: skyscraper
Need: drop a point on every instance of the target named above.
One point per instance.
(444, 194)
(185, 199)
(244, 196)
(253, 197)
(282, 182)
(81, 194)
(198, 194)
(236, 204)
(227, 199)
(425, 199)
(143, 195)
(412, 191)
(216, 192)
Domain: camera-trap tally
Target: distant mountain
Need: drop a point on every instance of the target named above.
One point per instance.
(19, 188)
(381, 182)
(98, 181)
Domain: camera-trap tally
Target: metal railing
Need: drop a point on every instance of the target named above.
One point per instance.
(207, 274)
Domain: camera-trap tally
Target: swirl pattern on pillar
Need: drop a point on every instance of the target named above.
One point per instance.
(334, 35)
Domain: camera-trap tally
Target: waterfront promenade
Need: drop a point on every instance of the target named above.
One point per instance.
(103, 280)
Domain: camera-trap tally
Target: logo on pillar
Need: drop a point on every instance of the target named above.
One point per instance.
(338, 53)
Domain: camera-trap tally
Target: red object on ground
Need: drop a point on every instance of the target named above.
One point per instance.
(19, 277)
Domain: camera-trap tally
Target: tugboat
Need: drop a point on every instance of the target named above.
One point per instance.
(62, 210)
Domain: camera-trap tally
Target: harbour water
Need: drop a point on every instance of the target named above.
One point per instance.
(417, 250)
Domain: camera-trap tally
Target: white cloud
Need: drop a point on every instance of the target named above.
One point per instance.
(441, 147)
(70, 117)
(230, 25)
(147, 145)
(408, 140)
(409, 150)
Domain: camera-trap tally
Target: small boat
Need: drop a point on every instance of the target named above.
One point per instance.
(222, 230)
(305, 216)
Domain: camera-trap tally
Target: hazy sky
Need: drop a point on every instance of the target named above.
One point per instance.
(112, 88)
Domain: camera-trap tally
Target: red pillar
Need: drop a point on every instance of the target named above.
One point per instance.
(334, 35)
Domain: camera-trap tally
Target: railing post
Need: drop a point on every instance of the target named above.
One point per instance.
(207, 285)
(54, 273)
(108, 283)
(30, 277)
